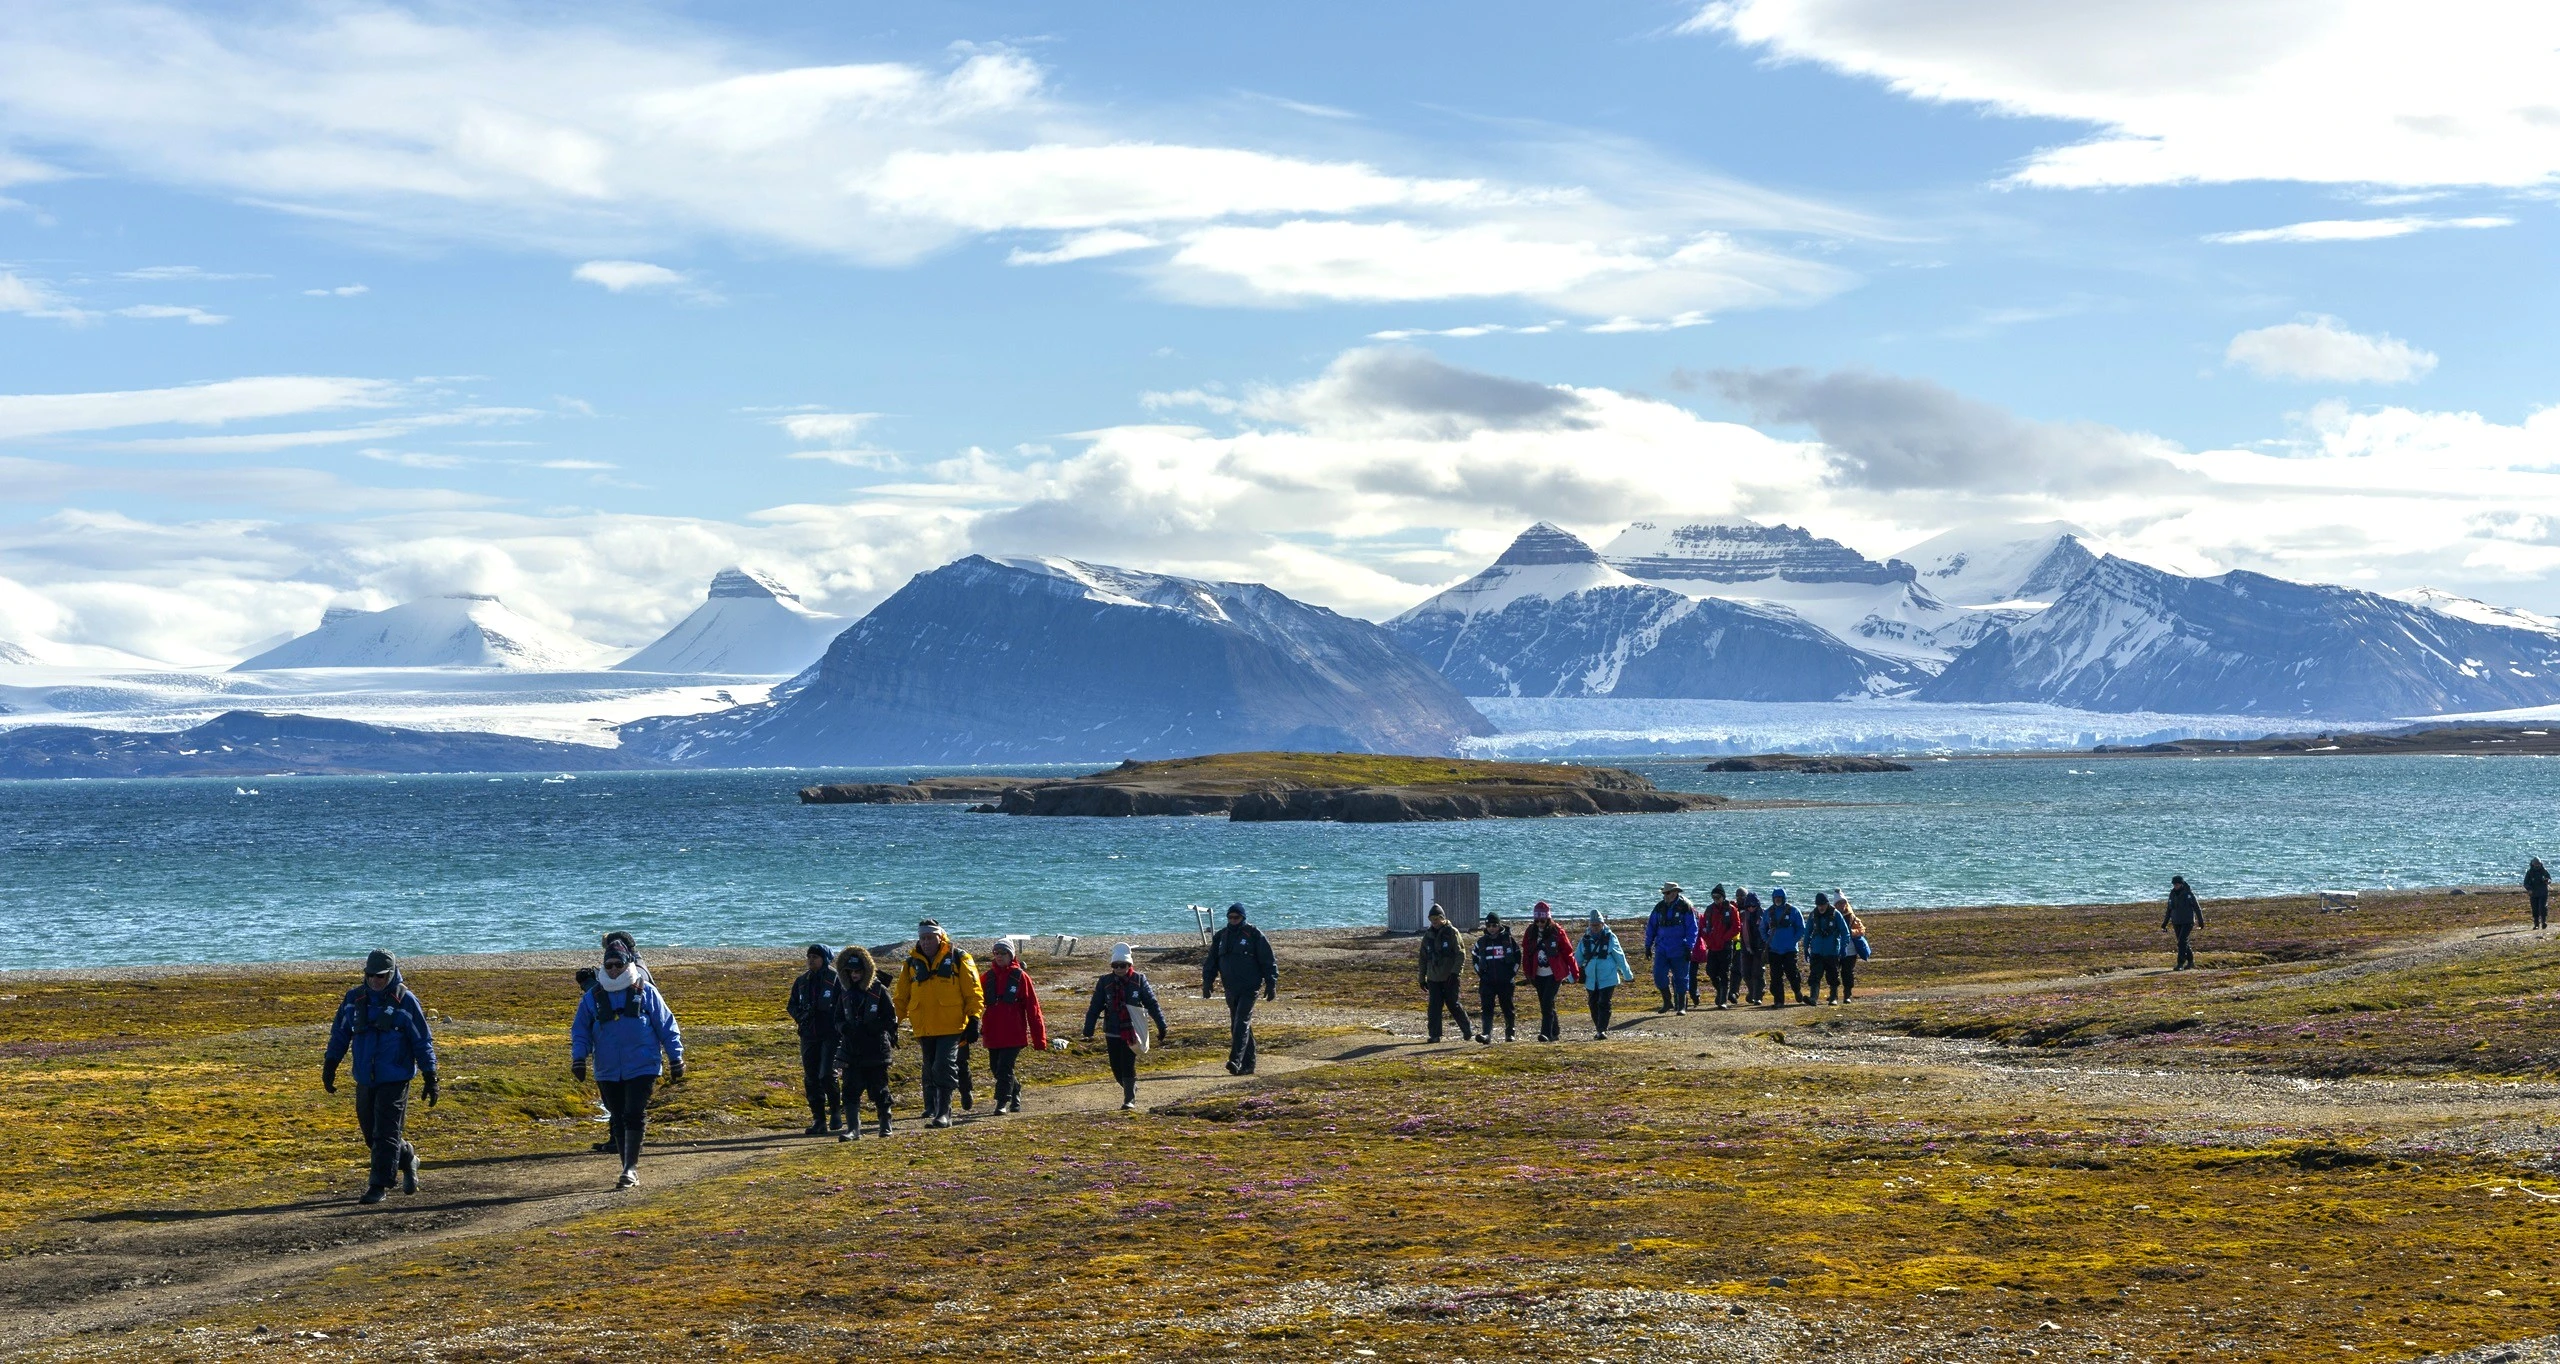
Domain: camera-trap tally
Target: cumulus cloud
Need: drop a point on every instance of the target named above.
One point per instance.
(624, 276)
(2351, 229)
(547, 129)
(195, 317)
(209, 404)
(2322, 348)
(1891, 434)
(33, 298)
(2327, 91)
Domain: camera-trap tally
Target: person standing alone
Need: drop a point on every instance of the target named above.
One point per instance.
(1441, 959)
(1241, 956)
(383, 1024)
(2185, 916)
(2537, 891)
(939, 997)
(813, 1011)
(623, 1026)
(1497, 957)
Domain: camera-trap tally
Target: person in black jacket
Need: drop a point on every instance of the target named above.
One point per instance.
(1240, 955)
(866, 1038)
(2185, 916)
(1122, 1003)
(2537, 890)
(1497, 957)
(813, 1009)
(1441, 960)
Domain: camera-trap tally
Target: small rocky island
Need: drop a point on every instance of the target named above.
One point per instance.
(1819, 763)
(1353, 788)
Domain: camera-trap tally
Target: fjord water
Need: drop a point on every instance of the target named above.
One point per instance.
(119, 872)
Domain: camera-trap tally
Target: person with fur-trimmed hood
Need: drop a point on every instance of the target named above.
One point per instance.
(813, 1012)
(866, 1038)
(386, 1028)
(938, 996)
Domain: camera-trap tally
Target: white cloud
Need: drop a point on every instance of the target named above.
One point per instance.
(184, 272)
(32, 298)
(828, 428)
(2351, 229)
(209, 404)
(2331, 91)
(342, 291)
(2322, 348)
(196, 317)
(623, 276)
(610, 139)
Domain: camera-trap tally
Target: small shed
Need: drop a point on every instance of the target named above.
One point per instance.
(1410, 896)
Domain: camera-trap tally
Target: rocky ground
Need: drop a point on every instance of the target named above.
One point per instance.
(2014, 1144)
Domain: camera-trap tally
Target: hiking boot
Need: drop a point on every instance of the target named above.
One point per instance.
(1128, 1105)
(630, 1179)
(815, 1129)
(968, 1097)
(373, 1195)
(853, 1133)
(1234, 1069)
(1680, 1013)
(603, 1146)
(1485, 1038)
(408, 1168)
(884, 1124)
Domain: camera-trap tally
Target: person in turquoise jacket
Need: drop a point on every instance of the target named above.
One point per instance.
(1604, 969)
(623, 1026)
(1782, 924)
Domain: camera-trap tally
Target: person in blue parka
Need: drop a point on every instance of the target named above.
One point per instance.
(622, 1026)
(383, 1024)
(1782, 924)
(1670, 932)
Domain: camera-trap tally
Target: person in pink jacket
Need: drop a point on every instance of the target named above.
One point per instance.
(1012, 1021)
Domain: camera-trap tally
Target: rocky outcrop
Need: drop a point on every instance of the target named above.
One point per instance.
(1820, 763)
(1262, 787)
(922, 791)
(245, 743)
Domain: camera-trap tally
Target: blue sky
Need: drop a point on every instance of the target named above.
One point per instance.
(312, 305)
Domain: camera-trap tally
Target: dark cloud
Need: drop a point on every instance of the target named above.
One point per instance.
(1891, 434)
(1413, 392)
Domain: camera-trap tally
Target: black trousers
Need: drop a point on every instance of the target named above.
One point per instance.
(1549, 1026)
(1599, 1003)
(1784, 972)
(2186, 954)
(941, 1072)
(1721, 962)
(1489, 995)
(1000, 1060)
(382, 1115)
(866, 1081)
(1849, 976)
(2541, 908)
(818, 1080)
(1124, 1068)
(1240, 1052)
(628, 1103)
(1755, 972)
(1444, 995)
(1825, 967)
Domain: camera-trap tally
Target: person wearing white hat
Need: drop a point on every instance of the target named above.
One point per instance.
(1122, 1004)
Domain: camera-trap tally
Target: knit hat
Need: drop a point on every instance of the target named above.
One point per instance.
(1492, 919)
(379, 963)
(1539, 910)
(1438, 913)
(1120, 953)
(1004, 945)
(1597, 921)
(821, 951)
(1237, 910)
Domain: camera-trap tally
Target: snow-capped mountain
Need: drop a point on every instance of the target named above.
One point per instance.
(749, 626)
(464, 630)
(1549, 618)
(1051, 660)
(2125, 636)
(2478, 612)
(1870, 606)
(1992, 564)
(38, 652)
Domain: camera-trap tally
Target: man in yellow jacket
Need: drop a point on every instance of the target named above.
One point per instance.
(939, 997)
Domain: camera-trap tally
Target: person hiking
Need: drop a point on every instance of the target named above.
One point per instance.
(623, 1026)
(1012, 1021)
(1548, 958)
(1826, 941)
(1859, 948)
(2537, 891)
(1497, 958)
(1782, 926)
(384, 1026)
(1720, 931)
(938, 998)
(1122, 1003)
(1440, 960)
(2185, 916)
(1604, 969)
(866, 1038)
(1669, 933)
(1754, 946)
(1241, 956)
(813, 1012)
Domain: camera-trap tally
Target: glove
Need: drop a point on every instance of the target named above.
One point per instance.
(1160, 1036)
(1270, 992)
(431, 1089)
(1204, 992)
(578, 1070)
(675, 1072)
(329, 1079)
(1088, 1034)
(969, 1034)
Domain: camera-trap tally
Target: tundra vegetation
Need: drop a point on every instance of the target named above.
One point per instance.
(2024, 1137)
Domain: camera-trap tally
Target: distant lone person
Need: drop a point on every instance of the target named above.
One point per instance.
(2537, 889)
(382, 1023)
(2185, 916)
(1439, 962)
(1241, 956)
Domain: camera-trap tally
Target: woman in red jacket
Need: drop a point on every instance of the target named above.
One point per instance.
(1547, 962)
(1012, 1021)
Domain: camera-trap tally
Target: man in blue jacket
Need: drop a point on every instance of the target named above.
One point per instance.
(383, 1024)
(1669, 932)
(1782, 924)
(1242, 956)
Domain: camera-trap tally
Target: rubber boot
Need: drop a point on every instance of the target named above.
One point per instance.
(884, 1120)
(408, 1168)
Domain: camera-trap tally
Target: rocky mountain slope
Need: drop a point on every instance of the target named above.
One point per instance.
(1054, 660)
(2124, 636)
(1551, 618)
(1872, 606)
(462, 630)
(244, 743)
(750, 625)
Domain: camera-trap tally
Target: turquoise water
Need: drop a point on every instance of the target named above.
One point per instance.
(158, 871)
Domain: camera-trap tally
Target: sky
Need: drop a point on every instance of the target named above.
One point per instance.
(342, 304)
